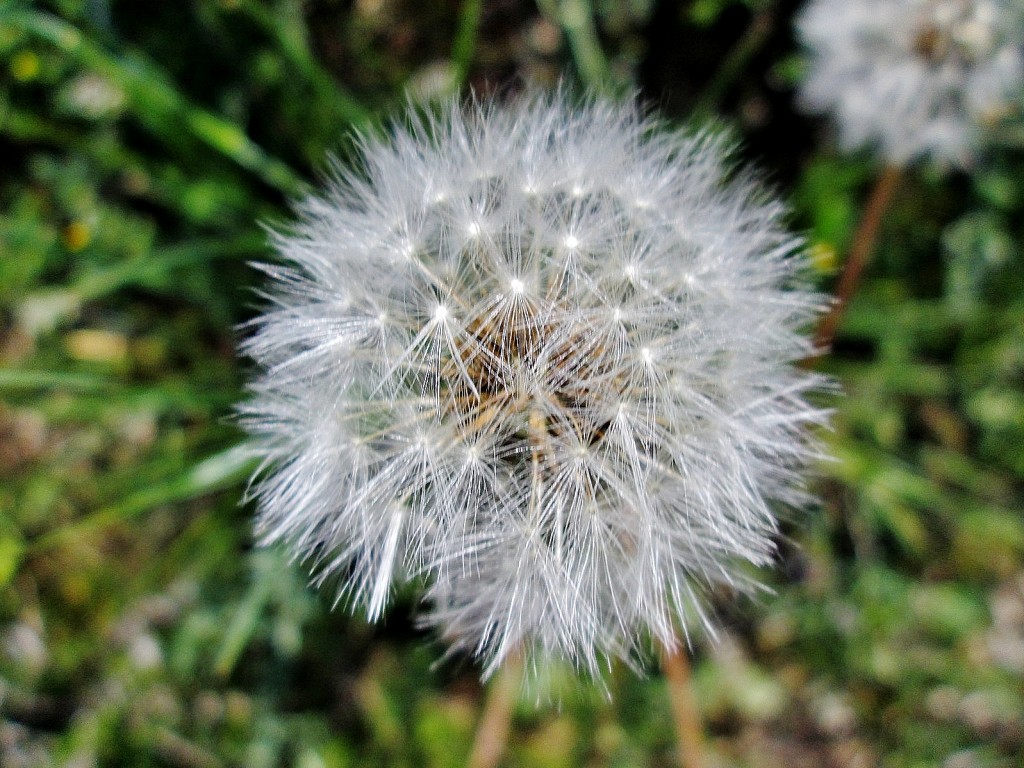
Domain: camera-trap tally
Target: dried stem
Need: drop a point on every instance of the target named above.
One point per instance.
(860, 254)
(496, 719)
(676, 666)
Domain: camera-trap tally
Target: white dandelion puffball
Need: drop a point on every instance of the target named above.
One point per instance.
(914, 78)
(540, 356)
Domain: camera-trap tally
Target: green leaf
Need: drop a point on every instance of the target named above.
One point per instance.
(214, 473)
(242, 626)
(155, 100)
(12, 548)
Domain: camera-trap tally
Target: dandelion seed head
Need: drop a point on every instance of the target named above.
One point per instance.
(914, 78)
(568, 443)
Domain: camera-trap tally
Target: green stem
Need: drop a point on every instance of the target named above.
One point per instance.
(576, 18)
(465, 40)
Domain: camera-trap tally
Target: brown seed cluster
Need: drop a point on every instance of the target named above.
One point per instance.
(535, 373)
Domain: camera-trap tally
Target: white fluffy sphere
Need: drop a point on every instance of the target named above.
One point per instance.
(914, 78)
(541, 356)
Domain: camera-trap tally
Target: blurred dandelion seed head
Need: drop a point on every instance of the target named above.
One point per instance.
(914, 78)
(540, 356)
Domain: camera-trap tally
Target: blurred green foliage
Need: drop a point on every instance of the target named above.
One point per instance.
(144, 145)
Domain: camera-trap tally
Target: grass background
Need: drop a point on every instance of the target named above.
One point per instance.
(142, 144)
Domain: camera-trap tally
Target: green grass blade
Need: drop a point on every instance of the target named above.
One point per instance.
(155, 101)
(465, 39)
(243, 623)
(12, 380)
(290, 35)
(576, 18)
(213, 473)
(161, 263)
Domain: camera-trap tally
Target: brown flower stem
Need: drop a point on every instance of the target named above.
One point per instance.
(496, 719)
(689, 732)
(860, 254)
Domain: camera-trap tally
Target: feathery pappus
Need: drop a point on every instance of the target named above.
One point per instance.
(542, 356)
(914, 78)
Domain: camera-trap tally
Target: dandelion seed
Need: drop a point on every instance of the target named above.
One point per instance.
(562, 437)
(915, 78)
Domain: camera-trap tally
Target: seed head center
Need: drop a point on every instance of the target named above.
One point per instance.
(522, 376)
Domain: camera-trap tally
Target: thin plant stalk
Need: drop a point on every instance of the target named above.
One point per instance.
(576, 18)
(860, 254)
(466, 40)
(496, 719)
(754, 38)
(676, 665)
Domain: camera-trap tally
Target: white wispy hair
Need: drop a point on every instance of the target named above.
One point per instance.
(914, 78)
(541, 356)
